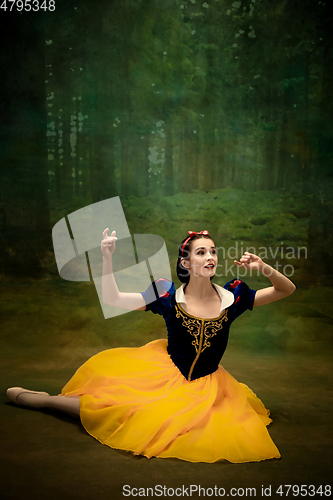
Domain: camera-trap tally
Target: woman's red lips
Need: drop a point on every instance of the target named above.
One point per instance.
(210, 265)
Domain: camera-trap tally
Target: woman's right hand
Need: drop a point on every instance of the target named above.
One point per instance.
(108, 243)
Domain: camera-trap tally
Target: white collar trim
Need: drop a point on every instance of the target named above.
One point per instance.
(227, 298)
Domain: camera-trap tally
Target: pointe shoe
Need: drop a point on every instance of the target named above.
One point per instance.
(13, 393)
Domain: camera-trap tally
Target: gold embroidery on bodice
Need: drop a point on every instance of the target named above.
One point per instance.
(201, 329)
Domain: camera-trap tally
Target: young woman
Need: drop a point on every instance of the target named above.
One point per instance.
(172, 398)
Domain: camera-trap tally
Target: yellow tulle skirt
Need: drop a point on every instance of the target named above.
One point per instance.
(136, 399)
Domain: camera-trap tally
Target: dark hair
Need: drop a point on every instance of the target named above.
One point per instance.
(183, 273)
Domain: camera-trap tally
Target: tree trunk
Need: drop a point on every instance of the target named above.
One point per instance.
(126, 151)
(208, 154)
(24, 185)
(219, 177)
(196, 160)
(141, 179)
(269, 155)
(306, 149)
(283, 155)
(185, 158)
(168, 166)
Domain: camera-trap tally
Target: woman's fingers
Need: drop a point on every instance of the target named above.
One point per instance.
(240, 264)
(248, 257)
(108, 238)
(105, 233)
(109, 241)
(248, 261)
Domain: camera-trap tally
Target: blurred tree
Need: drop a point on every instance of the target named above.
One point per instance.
(26, 232)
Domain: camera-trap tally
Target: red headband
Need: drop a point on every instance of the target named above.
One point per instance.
(191, 233)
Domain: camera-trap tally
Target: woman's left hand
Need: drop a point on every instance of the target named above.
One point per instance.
(250, 261)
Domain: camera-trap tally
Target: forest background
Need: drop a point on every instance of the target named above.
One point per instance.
(198, 115)
(212, 115)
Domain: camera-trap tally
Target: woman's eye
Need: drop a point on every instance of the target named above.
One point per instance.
(213, 252)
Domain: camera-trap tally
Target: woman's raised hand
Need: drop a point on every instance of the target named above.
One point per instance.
(108, 243)
(250, 261)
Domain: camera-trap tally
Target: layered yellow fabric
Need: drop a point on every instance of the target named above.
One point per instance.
(136, 399)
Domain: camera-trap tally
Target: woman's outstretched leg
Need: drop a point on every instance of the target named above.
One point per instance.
(67, 404)
(24, 397)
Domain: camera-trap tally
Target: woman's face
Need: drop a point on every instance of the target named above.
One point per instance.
(203, 258)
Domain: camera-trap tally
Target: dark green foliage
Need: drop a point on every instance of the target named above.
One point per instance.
(153, 98)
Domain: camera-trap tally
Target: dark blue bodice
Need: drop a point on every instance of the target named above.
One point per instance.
(196, 345)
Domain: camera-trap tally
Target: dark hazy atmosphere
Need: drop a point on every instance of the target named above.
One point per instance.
(198, 115)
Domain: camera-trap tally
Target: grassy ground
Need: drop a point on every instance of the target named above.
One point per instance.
(50, 329)
(283, 351)
(47, 455)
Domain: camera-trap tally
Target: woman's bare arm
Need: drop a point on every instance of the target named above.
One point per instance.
(110, 293)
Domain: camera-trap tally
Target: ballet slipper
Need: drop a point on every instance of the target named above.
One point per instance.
(13, 393)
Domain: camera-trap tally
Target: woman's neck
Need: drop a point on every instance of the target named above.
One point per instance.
(200, 288)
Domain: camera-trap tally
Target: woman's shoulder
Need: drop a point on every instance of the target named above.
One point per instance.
(159, 296)
(164, 287)
(235, 285)
(243, 295)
